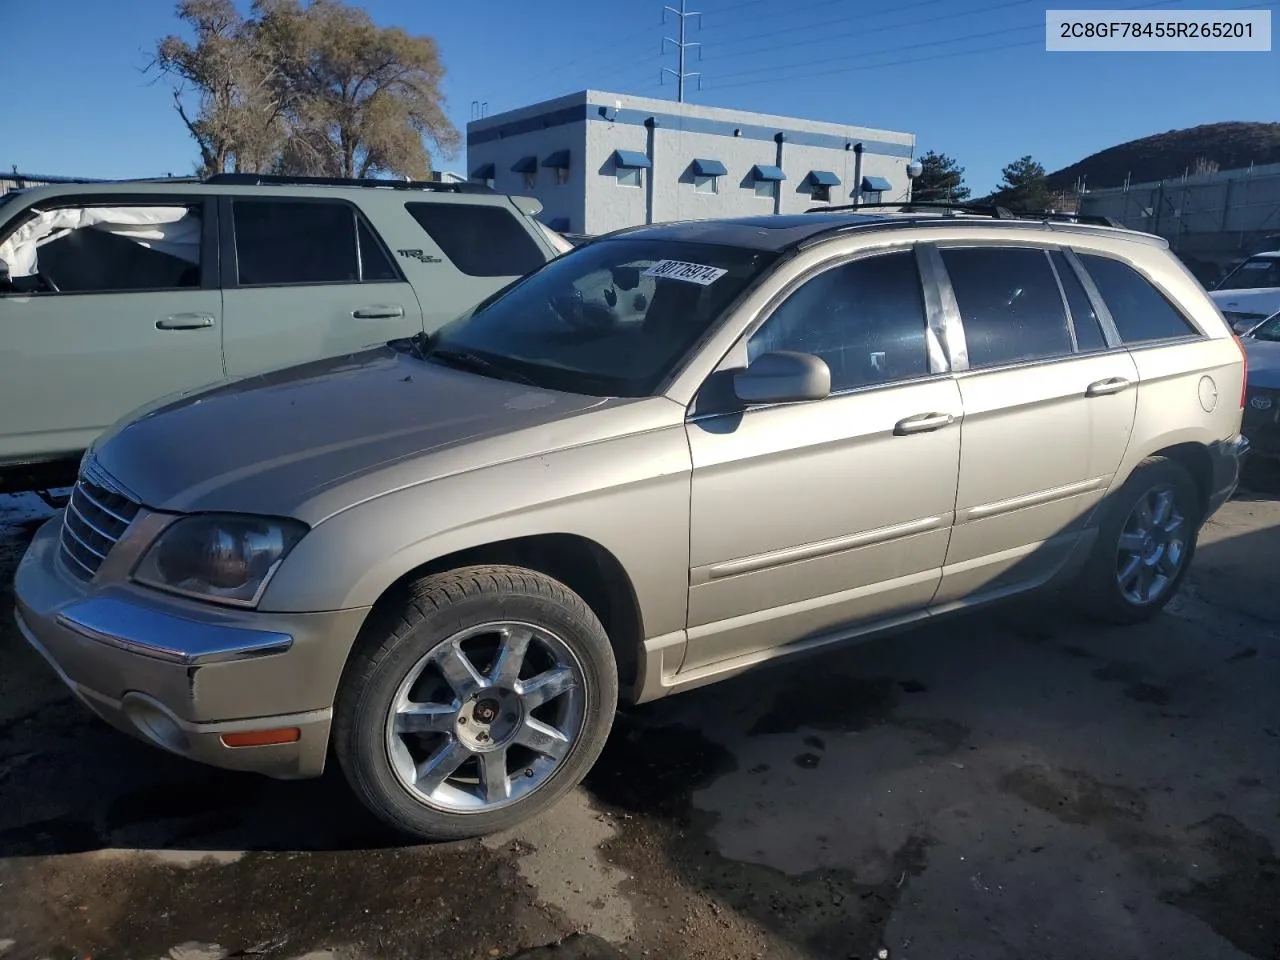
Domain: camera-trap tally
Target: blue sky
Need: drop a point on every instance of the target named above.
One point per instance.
(970, 78)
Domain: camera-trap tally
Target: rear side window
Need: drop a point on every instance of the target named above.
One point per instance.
(1141, 312)
(1010, 304)
(1083, 317)
(294, 241)
(480, 240)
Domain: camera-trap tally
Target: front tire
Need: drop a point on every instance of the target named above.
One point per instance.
(474, 702)
(1145, 544)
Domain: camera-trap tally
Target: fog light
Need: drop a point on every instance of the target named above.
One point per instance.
(155, 724)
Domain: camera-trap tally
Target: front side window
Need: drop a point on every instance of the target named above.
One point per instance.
(630, 176)
(1009, 303)
(294, 242)
(612, 318)
(864, 319)
(481, 240)
(104, 249)
(1253, 273)
(703, 184)
(766, 189)
(1140, 311)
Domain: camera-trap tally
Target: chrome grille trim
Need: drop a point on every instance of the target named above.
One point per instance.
(97, 515)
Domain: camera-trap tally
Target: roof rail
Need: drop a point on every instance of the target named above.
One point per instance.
(911, 206)
(1095, 219)
(271, 179)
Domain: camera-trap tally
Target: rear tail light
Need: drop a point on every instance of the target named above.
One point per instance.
(1244, 371)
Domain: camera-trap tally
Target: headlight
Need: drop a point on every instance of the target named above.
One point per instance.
(222, 557)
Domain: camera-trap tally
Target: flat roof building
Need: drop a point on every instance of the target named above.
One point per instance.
(600, 161)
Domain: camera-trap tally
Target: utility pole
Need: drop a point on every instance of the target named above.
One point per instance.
(681, 46)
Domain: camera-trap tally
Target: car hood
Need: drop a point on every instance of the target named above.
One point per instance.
(1264, 363)
(1263, 300)
(270, 443)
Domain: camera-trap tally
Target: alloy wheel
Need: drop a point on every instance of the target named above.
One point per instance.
(1152, 547)
(486, 717)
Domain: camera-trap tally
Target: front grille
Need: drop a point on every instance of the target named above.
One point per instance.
(96, 517)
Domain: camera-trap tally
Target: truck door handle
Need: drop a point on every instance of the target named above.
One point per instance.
(186, 321)
(380, 311)
(1104, 388)
(923, 423)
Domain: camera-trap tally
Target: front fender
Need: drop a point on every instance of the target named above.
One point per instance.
(630, 495)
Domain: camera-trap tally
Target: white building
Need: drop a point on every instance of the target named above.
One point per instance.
(600, 161)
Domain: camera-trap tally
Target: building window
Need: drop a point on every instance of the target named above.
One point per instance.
(530, 179)
(562, 175)
(821, 193)
(706, 184)
(559, 162)
(871, 196)
(767, 189)
(630, 176)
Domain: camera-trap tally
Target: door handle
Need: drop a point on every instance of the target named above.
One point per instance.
(923, 423)
(186, 321)
(1104, 388)
(380, 311)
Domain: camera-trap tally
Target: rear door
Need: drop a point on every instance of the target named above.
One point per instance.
(306, 278)
(113, 302)
(1049, 397)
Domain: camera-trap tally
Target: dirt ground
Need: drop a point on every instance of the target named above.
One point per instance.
(1017, 784)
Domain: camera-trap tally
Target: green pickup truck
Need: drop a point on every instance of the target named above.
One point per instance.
(116, 294)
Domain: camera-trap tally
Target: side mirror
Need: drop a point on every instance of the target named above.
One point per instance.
(783, 377)
(6, 282)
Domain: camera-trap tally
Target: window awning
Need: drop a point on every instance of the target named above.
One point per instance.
(762, 172)
(879, 184)
(483, 172)
(525, 165)
(823, 178)
(559, 224)
(631, 159)
(709, 168)
(559, 160)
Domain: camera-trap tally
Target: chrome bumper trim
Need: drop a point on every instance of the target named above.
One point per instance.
(162, 636)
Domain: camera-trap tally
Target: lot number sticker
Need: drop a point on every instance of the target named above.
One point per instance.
(688, 272)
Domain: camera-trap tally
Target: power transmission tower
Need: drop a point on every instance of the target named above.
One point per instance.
(681, 46)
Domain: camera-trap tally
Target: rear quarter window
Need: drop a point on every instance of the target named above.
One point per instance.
(480, 240)
(1141, 312)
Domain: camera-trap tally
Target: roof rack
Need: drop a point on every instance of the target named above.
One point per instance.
(271, 179)
(1095, 219)
(908, 206)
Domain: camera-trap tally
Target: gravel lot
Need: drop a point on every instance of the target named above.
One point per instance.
(1017, 784)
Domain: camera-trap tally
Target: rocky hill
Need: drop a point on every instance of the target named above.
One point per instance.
(1169, 155)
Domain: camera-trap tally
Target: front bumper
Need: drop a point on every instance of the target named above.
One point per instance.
(181, 674)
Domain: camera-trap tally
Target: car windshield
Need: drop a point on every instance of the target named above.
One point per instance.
(613, 318)
(1268, 329)
(1253, 273)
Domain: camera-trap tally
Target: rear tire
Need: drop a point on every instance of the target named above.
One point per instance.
(1146, 541)
(474, 702)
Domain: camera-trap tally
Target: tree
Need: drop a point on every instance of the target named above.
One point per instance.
(238, 122)
(940, 179)
(313, 89)
(1024, 187)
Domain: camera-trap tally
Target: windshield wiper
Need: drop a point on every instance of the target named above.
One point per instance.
(465, 360)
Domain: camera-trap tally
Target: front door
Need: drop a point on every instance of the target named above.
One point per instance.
(307, 279)
(1048, 411)
(109, 306)
(810, 518)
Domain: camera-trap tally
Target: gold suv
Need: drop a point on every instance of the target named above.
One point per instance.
(670, 455)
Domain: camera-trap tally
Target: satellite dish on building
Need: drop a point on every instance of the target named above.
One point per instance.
(914, 169)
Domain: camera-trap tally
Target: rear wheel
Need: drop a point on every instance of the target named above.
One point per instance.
(1146, 540)
(476, 702)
